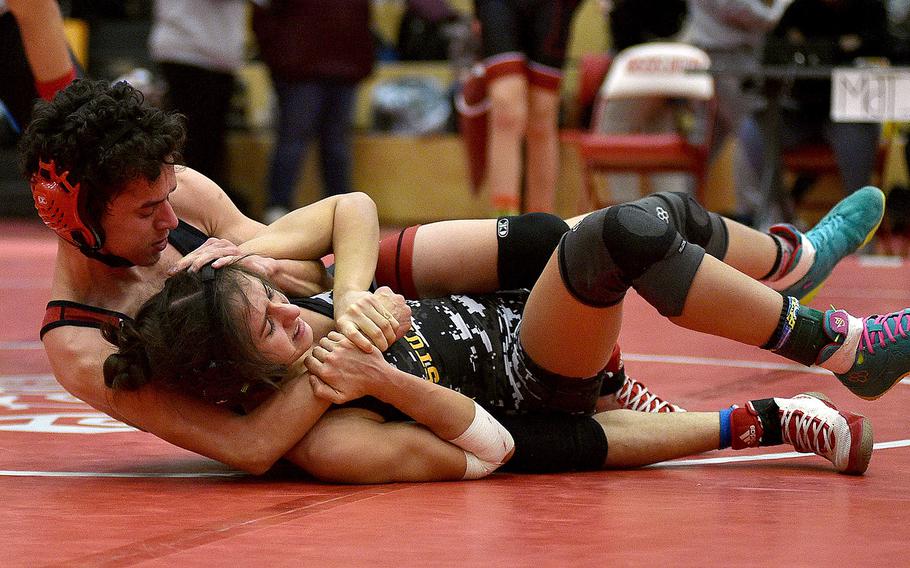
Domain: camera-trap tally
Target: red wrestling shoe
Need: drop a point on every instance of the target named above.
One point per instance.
(635, 396)
(813, 424)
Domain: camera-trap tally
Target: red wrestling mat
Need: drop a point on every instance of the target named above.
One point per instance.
(82, 490)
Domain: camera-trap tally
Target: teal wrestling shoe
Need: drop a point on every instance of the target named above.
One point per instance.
(847, 227)
(875, 350)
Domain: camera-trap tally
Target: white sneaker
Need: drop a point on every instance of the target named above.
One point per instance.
(812, 423)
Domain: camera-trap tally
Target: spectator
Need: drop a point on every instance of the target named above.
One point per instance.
(36, 58)
(316, 52)
(523, 45)
(836, 32)
(732, 33)
(198, 45)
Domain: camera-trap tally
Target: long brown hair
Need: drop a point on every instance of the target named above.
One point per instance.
(193, 337)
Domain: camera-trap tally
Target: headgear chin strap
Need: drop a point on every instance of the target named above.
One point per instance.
(59, 206)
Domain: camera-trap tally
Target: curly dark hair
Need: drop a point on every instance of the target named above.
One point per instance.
(182, 341)
(103, 135)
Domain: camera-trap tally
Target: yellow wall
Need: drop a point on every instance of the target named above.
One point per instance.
(77, 36)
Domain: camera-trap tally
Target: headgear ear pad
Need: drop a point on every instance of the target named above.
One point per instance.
(58, 205)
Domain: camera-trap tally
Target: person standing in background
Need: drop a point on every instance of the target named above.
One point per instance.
(36, 60)
(523, 45)
(837, 33)
(199, 46)
(732, 33)
(317, 52)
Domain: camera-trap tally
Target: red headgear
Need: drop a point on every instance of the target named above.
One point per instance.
(59, 206)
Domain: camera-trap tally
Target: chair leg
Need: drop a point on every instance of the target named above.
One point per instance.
(645, 185)
(701, 180)
(585, 200)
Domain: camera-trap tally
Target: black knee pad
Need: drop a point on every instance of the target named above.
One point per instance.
(623, 246)
(525, 244)
(695, 223)
(602, 255)
(554, 443)
(665, 285)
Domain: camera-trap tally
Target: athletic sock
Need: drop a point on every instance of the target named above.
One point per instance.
(756, 424)
(800, 333)
(725, 427)
(47, 89)
(785, 250)
(797, 255)
(615, 374)
(506, 205)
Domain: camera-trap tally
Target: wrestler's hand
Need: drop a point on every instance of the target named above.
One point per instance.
(370, 319)
(340, 371)
(221, 252)
(396, 306)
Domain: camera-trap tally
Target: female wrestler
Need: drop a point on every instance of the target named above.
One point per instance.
(482, 256)
(521, 353)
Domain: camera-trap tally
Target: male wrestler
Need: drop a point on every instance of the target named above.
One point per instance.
(103, 174)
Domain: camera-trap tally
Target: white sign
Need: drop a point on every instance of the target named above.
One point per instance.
(875, 94)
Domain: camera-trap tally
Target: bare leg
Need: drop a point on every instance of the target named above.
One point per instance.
(542, 163)
(749, 251)
(563, 335)
(508, 121)
(43, 37)
(639, 438)
(455, 257)
(718, 291)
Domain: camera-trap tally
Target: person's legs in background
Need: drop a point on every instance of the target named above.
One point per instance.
(544, 32)
(542, 160)
(204, 97)
(507, 91)
(508, 120)
(335, 138)
(299, 109)
(855, 147)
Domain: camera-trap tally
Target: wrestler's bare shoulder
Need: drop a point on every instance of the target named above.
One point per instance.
(76, 279)
(77, 356)
(202, 203)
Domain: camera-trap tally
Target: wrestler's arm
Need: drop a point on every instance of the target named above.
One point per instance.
(450, 430)
(346, 225)
(202, 203)
(352, 445)
(253, 442)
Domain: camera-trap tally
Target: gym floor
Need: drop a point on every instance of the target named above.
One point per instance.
(80, 489)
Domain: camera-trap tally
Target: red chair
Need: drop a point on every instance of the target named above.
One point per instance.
(655, 70)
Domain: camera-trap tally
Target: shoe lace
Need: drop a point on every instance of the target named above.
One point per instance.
(635, 396)
(876, 330)
(829, 229)
(807, 433)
